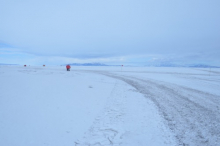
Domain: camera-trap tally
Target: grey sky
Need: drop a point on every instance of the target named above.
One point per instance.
(112, 30)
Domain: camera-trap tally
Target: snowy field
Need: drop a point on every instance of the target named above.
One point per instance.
(109, 106)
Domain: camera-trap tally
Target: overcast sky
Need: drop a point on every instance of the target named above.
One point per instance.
(110, 31)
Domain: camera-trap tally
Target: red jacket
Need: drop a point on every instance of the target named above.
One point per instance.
(68, 66)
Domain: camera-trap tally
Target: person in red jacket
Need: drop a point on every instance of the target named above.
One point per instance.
(68, 67)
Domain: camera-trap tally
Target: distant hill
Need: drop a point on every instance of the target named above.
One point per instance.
(164, 64)
(181, 65)
(87, 64)
(203, 66)
(7, 64)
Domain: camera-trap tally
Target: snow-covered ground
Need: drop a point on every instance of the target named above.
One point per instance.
(129, 106)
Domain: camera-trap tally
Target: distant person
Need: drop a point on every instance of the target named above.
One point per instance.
(68, 67)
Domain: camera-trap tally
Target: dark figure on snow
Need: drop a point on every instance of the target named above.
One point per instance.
(68, 67)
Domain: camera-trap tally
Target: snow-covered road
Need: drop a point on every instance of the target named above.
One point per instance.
(192, 114)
